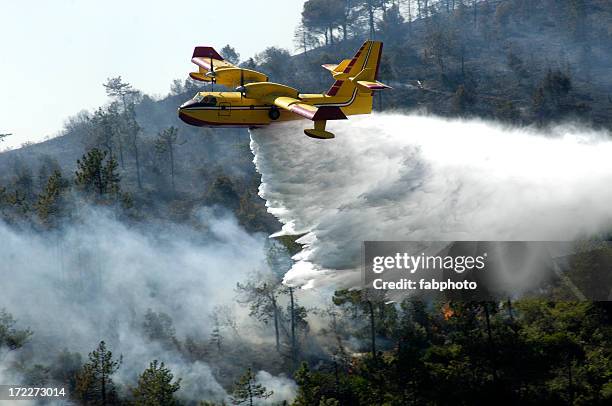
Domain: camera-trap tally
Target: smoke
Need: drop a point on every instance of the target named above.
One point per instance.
(408, 177)
(282, 387)
(96, 280)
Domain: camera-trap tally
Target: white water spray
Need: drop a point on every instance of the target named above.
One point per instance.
(398, 177)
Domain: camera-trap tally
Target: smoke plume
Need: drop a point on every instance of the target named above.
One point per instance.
(96, 281)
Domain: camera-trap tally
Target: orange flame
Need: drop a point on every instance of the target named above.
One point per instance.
(447, 311)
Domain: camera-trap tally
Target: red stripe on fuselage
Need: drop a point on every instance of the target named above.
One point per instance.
(202, 123)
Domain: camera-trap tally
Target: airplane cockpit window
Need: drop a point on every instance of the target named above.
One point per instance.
(209, 100)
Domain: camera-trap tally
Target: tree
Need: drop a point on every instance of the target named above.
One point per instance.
(262, 297)
(94, 382)
(229, 53)
(10, 337)
(3, 136)
(323, 15)
(462, 100)
(96, 175)
(371, 304)
(262, 291)
(102, 129)
(391, 25)
(216, 338)
(276, 62)
(370, 8)
(128, 129)
(246, 390)
(308, 389)
(158, 327)
(116, 87)
(65, 368)
(50, 202)
(166, 142)
(132, 129)
(304, 39)
(553, 98)
(155, 386)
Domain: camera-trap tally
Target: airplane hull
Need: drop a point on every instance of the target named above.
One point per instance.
(232, 110)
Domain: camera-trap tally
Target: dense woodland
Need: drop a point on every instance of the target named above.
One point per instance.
(518, 61)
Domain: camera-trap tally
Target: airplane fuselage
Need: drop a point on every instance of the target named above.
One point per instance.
(232, 109)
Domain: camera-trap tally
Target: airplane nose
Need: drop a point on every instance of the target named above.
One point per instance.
(186, 118)
(187, 104)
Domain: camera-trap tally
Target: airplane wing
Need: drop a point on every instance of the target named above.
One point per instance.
(306, 110)
(212, 66)
(287, 98)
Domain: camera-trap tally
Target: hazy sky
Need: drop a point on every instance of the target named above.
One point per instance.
(55, 55)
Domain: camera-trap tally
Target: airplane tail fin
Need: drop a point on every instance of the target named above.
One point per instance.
(359, 73)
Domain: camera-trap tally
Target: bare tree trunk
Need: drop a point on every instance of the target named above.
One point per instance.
(103, 388)
(120, 151)
(172, 166)
(570, 382)
(372, 329)
(490, 339)
(276, 331)
(293, 338)
(137, 160)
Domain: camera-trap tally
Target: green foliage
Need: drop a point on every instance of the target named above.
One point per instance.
(159, 327)
(51, 203)
(528, 352)
(155, 386)
(66, 368)
(11, 337)
(94, 384)
(553, 99)
(165, 144)
(229, 53)
(116, 87)
(247, 390)
(323, 16)
(308, 388)
(97, 177)
(37, 375)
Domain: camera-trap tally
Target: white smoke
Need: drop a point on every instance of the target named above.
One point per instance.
(409, 177)
(95, 281)
(282, 388)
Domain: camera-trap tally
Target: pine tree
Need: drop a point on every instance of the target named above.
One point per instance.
(216, 338)
(10, 337)
(155, 386)
(230, 54)
(49, 205)
(94, 384)
(97, 175)
(166, 142)
(246, 390)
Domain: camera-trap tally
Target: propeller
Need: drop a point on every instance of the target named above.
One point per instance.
(211, 74)
(241, 88)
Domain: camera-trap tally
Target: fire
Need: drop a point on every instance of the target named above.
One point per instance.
(447, 311)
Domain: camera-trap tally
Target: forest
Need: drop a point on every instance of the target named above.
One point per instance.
(129, 182)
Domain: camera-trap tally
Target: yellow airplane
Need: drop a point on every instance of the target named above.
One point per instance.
(257, 102)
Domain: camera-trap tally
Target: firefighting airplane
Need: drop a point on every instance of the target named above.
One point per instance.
(257, 102)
